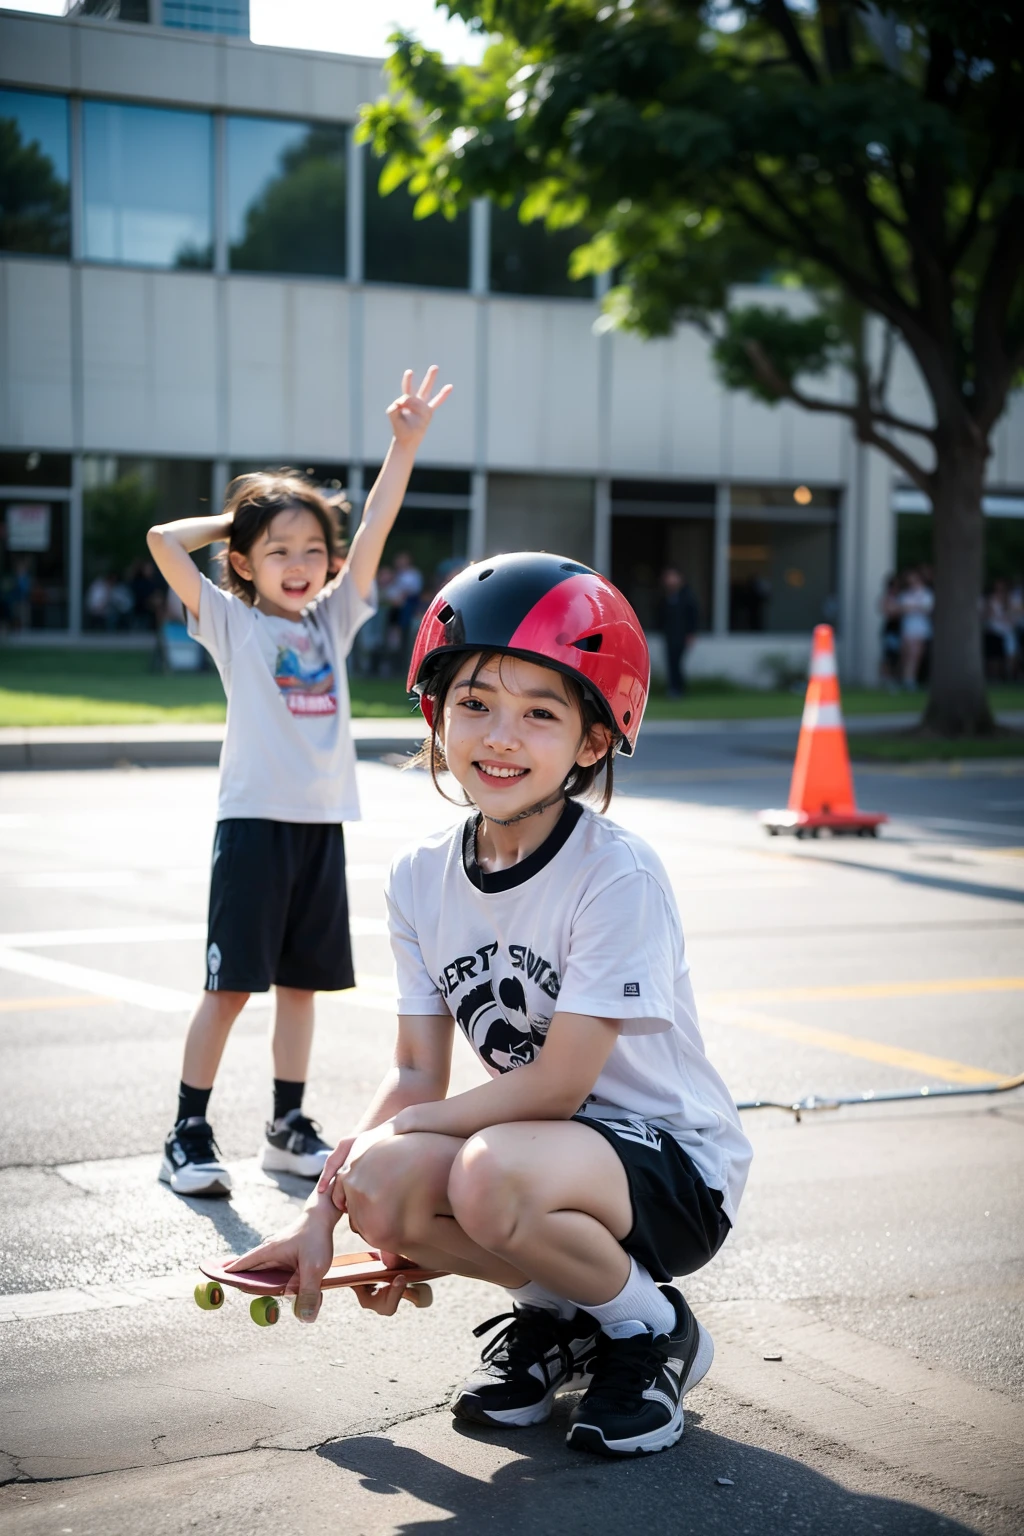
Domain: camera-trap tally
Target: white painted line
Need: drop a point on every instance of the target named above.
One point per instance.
(82, 978)
(162, 933)
(119, 879)
(72, 1300)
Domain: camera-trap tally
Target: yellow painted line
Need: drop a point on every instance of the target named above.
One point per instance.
(26, 1004)
(939, 988)
(852, 1045)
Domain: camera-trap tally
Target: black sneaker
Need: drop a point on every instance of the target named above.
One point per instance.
(191, 1162)
(635, 1401)
(523, 1366)
(294, 1145)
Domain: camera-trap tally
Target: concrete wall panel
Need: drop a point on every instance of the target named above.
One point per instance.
(36, 52)
(693, 409)
(319, 387)
(148, 361)
(1006, 466)
(412, 328)
(297, 84)
(259, 367)
(542, 386)
(642, 408)
(120, 60)
(35, 354)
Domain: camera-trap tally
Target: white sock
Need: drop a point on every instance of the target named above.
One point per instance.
(637, 1307)
(533, 1294)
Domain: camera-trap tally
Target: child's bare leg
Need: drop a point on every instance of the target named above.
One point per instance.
(397, 1198)
(207, 1036)
(293, 1033)
(551, 1199)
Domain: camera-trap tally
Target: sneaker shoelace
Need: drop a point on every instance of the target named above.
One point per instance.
(199, 1145)
(526, 1340)
(302, 1125)
(624, 1368)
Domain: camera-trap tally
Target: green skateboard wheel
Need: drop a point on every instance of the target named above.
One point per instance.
(265, 1310)
(209, 1295)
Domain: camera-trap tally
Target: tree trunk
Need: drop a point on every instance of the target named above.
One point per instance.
(957, 702)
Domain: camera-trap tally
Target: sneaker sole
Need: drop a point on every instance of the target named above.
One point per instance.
(199, 1182)
(310, 1166)
(588, 1437)
(473, 1411)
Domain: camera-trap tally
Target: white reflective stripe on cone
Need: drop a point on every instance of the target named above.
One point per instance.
(822, 717)
(823, 664)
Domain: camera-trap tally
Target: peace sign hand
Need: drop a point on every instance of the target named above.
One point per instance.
(411, 414)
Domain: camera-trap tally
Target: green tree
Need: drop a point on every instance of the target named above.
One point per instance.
(33, 198)
(874, 157)
(117, 519)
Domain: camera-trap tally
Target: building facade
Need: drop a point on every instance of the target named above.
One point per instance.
(198, 276)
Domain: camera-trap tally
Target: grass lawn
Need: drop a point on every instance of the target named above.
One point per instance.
(904, 747)
(94, 687)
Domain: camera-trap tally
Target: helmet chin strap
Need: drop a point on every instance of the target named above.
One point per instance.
(534, 810)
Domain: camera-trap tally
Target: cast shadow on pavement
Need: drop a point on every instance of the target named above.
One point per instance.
(236, 1235)
(553, 1491)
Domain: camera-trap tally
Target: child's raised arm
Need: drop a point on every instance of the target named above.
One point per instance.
(410, 416)
(171, 544)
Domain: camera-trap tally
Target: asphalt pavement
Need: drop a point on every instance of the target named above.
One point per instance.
(867, 1310)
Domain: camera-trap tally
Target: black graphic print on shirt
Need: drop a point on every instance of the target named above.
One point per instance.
(494, 1014)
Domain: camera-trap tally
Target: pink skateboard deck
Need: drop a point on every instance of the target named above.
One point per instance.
(267, 1285)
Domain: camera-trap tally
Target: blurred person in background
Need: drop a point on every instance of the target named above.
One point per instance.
(916, 603)
(678, 620)
(889, 656)
(1001, 625)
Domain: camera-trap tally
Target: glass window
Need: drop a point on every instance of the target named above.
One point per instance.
(148, 185)
(123, 498)
(541, 512)
(34, 192)
(33, 564)
(398, 248)
(526, 258)
(424, 549)
(782, 575)
(34, 468)
(643, 546)
(228, 17)
(286, 196)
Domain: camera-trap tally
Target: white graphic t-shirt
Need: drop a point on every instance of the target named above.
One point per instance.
(288, 753)
(586, 924)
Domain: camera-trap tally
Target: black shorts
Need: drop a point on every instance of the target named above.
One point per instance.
(678, 1222)
(278, 908)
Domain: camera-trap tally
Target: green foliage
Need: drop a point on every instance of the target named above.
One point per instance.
(34, 200)
(874, 156)
(117, 519)
(790, 345)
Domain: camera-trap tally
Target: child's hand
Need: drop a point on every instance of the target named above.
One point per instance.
(411, 414)
(306, 1248)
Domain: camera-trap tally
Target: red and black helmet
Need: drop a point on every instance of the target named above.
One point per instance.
(547, 609)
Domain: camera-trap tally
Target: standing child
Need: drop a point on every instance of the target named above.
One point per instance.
(605, 1154)
(279, 630)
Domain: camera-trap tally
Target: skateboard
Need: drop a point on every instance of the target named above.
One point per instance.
(267, 1285)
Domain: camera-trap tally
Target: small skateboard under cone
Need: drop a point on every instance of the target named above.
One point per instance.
(267, 1285)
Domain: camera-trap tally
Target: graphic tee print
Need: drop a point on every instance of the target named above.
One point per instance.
(301, 666)
(586, 924)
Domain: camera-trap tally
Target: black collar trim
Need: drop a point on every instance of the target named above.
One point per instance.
(518, 874)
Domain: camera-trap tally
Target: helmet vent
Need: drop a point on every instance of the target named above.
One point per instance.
(627, 716)
(445, 614)
(589, 643)
(484, 574)
(574, 568)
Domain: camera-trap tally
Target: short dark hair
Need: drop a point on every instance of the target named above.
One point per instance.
(595, 781)
(255, 500)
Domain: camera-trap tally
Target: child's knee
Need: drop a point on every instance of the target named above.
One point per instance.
(384, 1195)
(486, 1194)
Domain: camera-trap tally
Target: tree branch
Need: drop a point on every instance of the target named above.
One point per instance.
(865, 420)
(777, 14)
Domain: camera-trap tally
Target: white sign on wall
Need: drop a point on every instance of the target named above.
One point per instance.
(28, 526)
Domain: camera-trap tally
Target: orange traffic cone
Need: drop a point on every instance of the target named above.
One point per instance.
(821, 790)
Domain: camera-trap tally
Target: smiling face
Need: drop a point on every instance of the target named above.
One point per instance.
(288, 564)
(512, 732)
